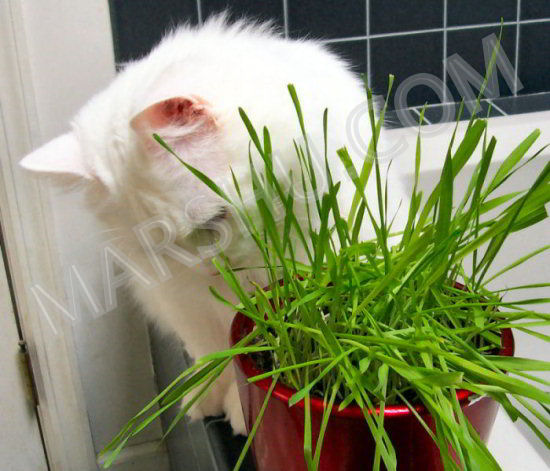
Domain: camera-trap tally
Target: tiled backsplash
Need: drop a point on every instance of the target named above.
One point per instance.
(378, 36)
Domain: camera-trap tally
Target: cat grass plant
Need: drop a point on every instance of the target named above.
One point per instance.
(405, 318)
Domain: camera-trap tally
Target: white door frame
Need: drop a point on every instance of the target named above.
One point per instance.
(37, 40)
(21, 448)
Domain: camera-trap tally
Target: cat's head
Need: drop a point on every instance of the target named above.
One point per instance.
(188, 91)
(135, 180)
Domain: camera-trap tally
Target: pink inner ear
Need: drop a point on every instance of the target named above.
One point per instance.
(178, 111)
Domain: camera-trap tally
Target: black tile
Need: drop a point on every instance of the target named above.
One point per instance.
(392, 121)
(473, 12)
(534, 67)
(140, 24)
(484, 110)
(441, 113)
(435, 114)
(264, 10)
(488, 112)
(449, 112)
(535, 9)
(524, 103)
(353, 51)
(327, 19)
(405, 56)
(391, 16)
(403, 118)
(468, 44)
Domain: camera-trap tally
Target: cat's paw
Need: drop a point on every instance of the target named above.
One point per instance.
(211, 405)
(233, 410)
(195, 413)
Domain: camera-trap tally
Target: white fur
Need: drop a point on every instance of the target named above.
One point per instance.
(230, 66)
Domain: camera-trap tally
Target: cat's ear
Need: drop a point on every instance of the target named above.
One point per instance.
(177, 120)
(60, 156)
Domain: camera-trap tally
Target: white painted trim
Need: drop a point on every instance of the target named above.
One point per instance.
(37, 40)
(21, 445)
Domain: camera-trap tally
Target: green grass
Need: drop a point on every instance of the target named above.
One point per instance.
(381, 322)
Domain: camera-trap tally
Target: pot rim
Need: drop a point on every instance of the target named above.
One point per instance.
(243, 325)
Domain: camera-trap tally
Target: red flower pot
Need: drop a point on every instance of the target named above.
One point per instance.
(348, 445)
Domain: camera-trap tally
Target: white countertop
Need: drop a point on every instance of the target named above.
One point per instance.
(512, 450)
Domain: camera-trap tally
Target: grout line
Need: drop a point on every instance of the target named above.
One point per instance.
(285, 17)
(433, 30)
(516, 62)
(199, 12)
(343, 40)
(445, 51)
(427, 121)
(369, 63)
(496, 107)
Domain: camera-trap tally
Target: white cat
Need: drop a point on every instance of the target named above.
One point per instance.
(188, 90)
